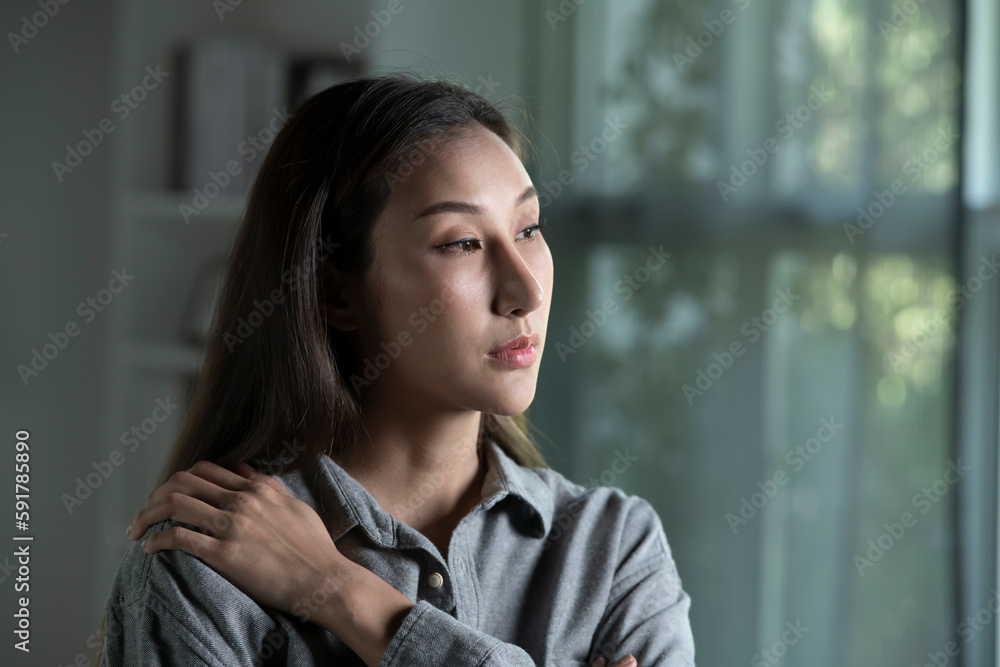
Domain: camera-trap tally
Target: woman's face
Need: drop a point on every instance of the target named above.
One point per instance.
(462, 271)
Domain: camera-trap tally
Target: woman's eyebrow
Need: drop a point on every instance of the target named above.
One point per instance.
(471, 209)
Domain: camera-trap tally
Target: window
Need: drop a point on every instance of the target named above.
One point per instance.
(786, 380)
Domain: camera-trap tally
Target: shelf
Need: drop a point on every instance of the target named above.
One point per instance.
(164, 357)
(166, 206)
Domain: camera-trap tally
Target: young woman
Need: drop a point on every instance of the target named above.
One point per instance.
(377, 343)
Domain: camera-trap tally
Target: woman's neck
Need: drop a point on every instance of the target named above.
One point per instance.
(421, 476)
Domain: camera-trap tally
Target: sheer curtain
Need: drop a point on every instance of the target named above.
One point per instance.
(783, 382)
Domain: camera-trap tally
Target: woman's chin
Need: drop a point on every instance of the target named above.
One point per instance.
(509, 406)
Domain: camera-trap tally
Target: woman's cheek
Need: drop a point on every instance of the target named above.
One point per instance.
(421, 313)
(418, 323)
(542, 267)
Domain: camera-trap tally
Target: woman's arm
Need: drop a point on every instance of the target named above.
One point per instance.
(360, 609)
(299, 572)
(647, 608)
(367, 614)
(277, 550)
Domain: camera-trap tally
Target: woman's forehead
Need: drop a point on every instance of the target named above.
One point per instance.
(477, 164)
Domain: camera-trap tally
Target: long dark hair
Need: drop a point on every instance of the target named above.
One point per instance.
(275, 382)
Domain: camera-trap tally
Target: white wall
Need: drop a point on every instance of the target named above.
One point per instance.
(434, 38)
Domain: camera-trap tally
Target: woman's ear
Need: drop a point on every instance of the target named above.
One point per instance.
(338, 297)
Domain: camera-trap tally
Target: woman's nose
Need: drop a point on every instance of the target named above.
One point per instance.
(517, 286)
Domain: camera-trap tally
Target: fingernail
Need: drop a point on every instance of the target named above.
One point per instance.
(600, 662)
(143, 545)
(129, 529)
(626, 661)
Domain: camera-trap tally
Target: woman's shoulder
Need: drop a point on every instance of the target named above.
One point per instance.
(191, 603)
(141, 573)
(603, 511)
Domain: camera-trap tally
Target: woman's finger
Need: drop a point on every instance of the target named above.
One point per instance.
(184, 482)
(246, 470)
(220, 476)
(185, 509)
(627, 660)
(204, 480)
(195, 543)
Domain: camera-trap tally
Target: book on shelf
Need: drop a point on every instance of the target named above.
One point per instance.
(231, 101)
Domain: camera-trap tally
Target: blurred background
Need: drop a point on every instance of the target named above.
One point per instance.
(807, 386)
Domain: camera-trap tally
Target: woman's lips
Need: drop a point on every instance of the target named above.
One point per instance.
(521, 357)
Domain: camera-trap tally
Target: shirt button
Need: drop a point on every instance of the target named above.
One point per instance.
(435, 580)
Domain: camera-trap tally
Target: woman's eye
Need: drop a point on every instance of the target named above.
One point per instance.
(466, 246)
(462, 245)
(530, 231)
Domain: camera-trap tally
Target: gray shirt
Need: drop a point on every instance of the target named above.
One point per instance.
(542, 572)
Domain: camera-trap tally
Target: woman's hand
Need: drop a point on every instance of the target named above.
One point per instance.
(628, 660)
(266, 542)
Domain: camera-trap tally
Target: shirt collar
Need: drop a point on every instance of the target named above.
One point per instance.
(332, 489)
(505, 476)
